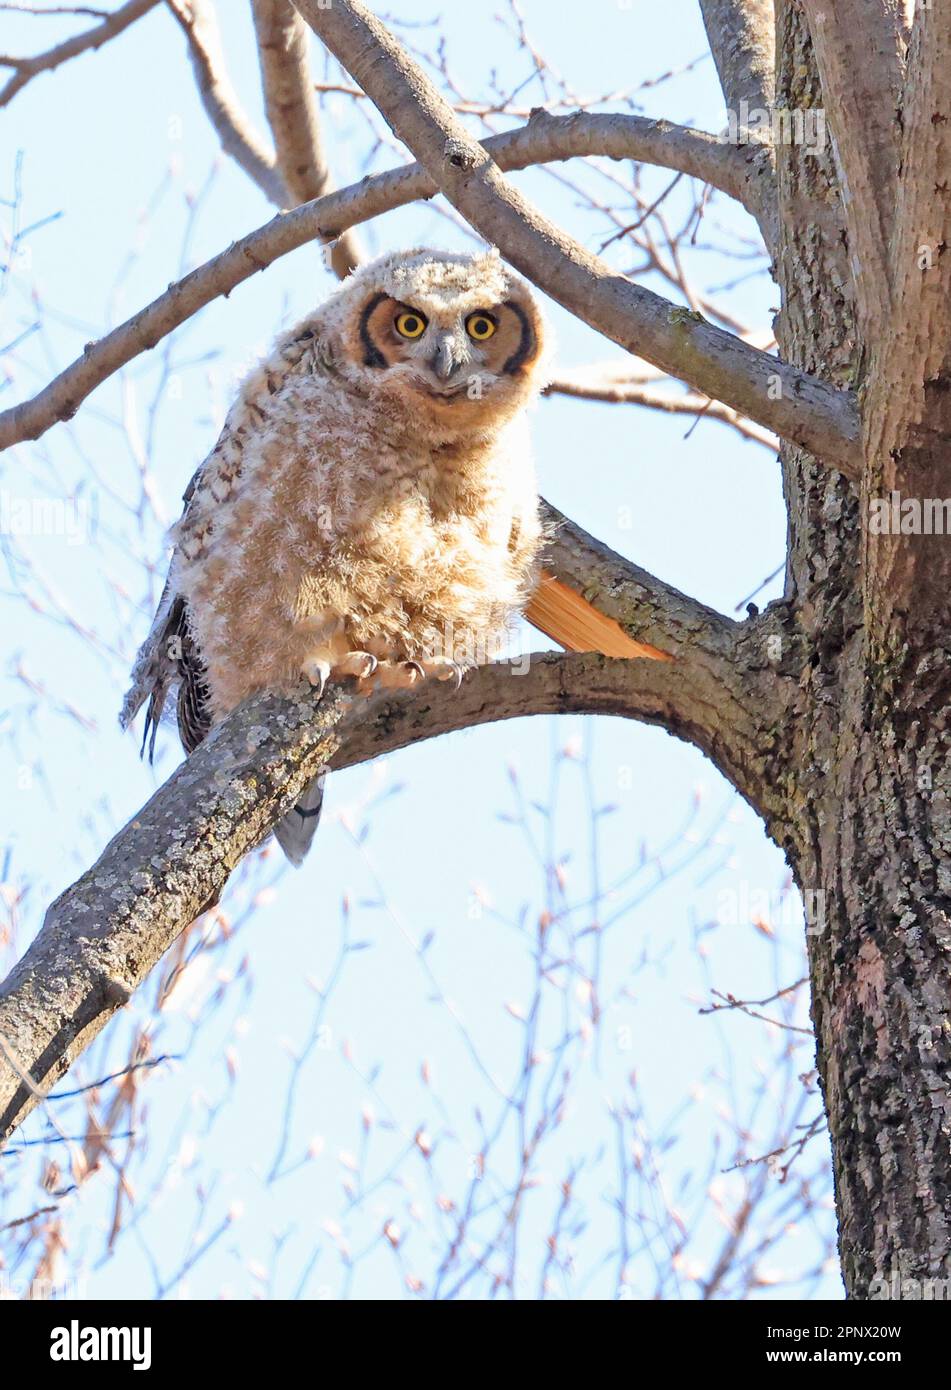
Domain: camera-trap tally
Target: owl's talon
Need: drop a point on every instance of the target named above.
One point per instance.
(317, 671)
(359, 664)
(443, 668)
(399, 675)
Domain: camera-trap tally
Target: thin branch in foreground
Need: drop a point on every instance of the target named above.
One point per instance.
(729, 1001)
(147, 1065)
(21, 7)
(32, 1216)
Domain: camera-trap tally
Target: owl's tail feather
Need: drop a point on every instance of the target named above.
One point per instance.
(295, 831)
(568, 619)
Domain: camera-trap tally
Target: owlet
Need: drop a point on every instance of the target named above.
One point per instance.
(369, 510)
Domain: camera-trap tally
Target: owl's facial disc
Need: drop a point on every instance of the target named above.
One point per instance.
(447, 356)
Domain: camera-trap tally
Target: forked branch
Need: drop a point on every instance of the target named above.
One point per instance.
(24, 69)
(801, 408)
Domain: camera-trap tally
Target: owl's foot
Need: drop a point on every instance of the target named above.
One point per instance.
(316, 669)
(443, 668)
(322, 666)
(359, 664)
(399, 675)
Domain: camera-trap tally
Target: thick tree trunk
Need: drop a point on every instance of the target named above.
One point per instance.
(880, 972)
(867, 828)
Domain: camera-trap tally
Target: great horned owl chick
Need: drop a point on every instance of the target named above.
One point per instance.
(370, 508)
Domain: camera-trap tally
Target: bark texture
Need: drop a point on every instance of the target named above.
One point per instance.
(868, 820)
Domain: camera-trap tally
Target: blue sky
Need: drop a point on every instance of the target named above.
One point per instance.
(117, 148)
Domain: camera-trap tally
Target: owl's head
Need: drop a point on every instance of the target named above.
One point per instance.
(457, 338)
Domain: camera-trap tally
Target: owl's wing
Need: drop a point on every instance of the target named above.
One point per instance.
(168, 657)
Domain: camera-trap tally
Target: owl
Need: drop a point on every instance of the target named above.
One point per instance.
(369, 512)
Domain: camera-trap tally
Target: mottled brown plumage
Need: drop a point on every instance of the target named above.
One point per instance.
(370, 508)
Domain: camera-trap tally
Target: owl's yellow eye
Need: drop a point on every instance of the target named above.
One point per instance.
(480, 327)
(410, 324)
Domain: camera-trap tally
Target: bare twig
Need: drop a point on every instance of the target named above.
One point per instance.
(591, 386)
(108, 28)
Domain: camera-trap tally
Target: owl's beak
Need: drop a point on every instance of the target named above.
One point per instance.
(447, 358)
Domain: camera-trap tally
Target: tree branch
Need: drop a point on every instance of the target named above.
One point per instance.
(648, 609)
(238, 139)
(859, 48)
(742, 39)
(908, 404)
(111, 25)
(799, 407)
(748, 672)
(583, 384)
(543, 139)
(292, 114)
(103, 935)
